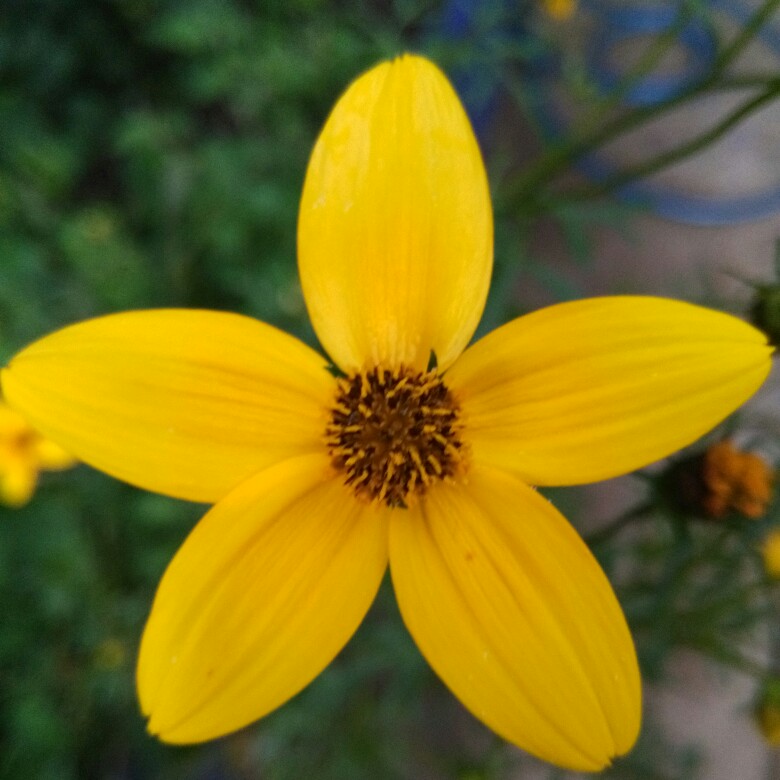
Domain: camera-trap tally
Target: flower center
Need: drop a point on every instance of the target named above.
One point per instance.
(394, 433)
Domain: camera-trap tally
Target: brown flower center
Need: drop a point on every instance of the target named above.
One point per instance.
(394, 433)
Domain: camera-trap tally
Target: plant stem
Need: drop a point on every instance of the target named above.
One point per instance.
(562, 154)
(748, 81)
(559, 154)
(746, 35)
(730, 658)
(680, 152)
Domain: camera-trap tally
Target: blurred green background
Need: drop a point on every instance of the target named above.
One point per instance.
(152, 154)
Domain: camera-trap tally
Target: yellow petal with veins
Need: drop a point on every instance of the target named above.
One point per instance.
(591, 389)
(509, 607)
(186, 403)
(264, 592)
(395, 232)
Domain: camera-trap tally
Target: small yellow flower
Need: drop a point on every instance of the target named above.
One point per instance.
(735, 481)
(767, 713)
(23, 454)
(421, 455)
(769, 723)
(770, 551)
(560, 10)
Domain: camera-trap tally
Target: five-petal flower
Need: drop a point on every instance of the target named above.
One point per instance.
(24, 453)
(319, 481)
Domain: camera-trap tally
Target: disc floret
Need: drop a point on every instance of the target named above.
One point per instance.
(393, 433)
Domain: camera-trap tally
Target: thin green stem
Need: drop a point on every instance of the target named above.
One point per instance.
(644, 66)
(745, 36)
(730, 658)
(738, 599)
(747, 81)
(562, 154)
(680, 152)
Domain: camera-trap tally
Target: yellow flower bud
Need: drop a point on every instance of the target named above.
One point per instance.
(24, 452)
(735, 481)
(770, 550)
(767, 713)
(560, 10)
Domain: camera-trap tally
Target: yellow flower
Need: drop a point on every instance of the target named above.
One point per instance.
(560, 9)
(770, 551)
(320, 481)
(23, 454)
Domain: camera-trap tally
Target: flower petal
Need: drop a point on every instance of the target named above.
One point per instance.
(187, 403)
(513, 613)
(51, 456)
(18, 481)
(592, 389)
(263, 594)
(395, 232)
